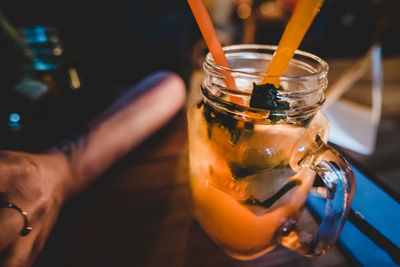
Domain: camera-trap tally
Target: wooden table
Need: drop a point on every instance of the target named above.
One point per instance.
(139, 212)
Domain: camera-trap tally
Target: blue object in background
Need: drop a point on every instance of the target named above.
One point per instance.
(45, 45)
(371, 235)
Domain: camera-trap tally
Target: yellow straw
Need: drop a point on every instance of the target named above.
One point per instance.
(301, 19)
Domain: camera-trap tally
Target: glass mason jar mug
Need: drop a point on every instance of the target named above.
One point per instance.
(251, 169)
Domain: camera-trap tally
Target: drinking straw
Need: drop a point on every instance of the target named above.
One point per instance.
(211, 38)
(300, 21)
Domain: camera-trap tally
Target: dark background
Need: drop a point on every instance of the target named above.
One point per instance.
(112, 44)
(123, 40)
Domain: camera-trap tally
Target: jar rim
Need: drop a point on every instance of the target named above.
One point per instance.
(322, 70)
(303, 89)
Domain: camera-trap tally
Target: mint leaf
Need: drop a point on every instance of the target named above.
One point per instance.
(275, 117)
(218, 119)
(266, 96)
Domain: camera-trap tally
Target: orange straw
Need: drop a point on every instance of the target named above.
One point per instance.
(210, 36)
(301, 19)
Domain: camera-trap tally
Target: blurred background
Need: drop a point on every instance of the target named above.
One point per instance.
(62, 62)
(342, 28)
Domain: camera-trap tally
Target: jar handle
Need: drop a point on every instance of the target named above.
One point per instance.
(339, 183)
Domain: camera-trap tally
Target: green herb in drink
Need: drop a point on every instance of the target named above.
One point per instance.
(220, 119)
(266, 96)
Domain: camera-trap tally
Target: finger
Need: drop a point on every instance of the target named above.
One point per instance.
(19, 253)
(128, 122)
(163, 96)
(11, 223)
(25, 249)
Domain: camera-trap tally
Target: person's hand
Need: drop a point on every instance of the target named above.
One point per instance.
(39, 184)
